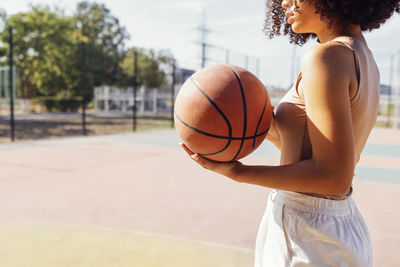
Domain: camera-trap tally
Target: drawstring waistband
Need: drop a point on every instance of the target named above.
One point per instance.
(313, 204)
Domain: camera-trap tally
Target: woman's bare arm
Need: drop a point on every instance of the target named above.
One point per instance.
(327, 71)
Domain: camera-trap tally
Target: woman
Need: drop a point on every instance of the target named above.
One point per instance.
(321, 127)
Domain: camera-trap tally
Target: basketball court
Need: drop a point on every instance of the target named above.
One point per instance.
(139, 200)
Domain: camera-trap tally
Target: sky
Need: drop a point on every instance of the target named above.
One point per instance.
(233, 25)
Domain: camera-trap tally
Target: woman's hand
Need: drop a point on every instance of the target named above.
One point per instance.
(229, 169)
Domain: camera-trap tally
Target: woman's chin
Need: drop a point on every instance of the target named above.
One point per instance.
(297, 29)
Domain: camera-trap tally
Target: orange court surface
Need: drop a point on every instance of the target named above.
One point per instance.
(137, 199)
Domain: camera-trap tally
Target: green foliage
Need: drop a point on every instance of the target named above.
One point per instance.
(105, 40)
(3, 53)
(60, 103)
(48, 51)
(41, 49)
(151, 67)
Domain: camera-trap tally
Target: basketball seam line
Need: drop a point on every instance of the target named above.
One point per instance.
(244, 113)
(218, 136)
(220, 112)
(262, 115)
(230, 138)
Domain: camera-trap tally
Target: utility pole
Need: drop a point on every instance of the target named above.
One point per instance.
(203, 30)
(397, 95)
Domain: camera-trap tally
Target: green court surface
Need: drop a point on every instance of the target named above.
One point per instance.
(57, 245)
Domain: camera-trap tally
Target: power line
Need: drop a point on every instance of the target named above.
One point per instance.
(228, 53)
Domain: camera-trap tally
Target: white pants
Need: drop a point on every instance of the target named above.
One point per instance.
(302, 230)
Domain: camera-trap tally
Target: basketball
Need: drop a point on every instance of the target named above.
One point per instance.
(223, 112)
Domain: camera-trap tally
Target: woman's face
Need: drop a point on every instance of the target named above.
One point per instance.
(305, 20)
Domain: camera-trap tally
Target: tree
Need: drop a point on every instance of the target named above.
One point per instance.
(41, 49)
(152, 67)
(105, 40)
(48, 50)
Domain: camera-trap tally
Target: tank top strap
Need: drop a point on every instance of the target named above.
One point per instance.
(354, 45)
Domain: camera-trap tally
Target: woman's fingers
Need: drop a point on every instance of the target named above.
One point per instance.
(205, 163)
(186, 149)
(224, 168)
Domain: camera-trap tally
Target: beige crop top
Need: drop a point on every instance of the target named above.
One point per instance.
(364, 109)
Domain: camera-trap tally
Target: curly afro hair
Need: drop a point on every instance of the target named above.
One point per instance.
(369, 14)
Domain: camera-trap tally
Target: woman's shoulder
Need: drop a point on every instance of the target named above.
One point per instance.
(331, 52)
(333, 57)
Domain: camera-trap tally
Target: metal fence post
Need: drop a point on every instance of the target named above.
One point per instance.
(397, 96)
(84, 88)
(135, 78)
(11, 86)
(173, 92)
(396, 108)
(389, 101)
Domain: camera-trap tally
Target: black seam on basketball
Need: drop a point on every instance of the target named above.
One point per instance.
(208, 134)
(220, 112)
(214, 104)
(232, 138)
(259, 121)
(244, 113)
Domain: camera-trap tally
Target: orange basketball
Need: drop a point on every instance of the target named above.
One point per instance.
(223, 112)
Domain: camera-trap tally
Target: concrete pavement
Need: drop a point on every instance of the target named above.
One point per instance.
(138, 200)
